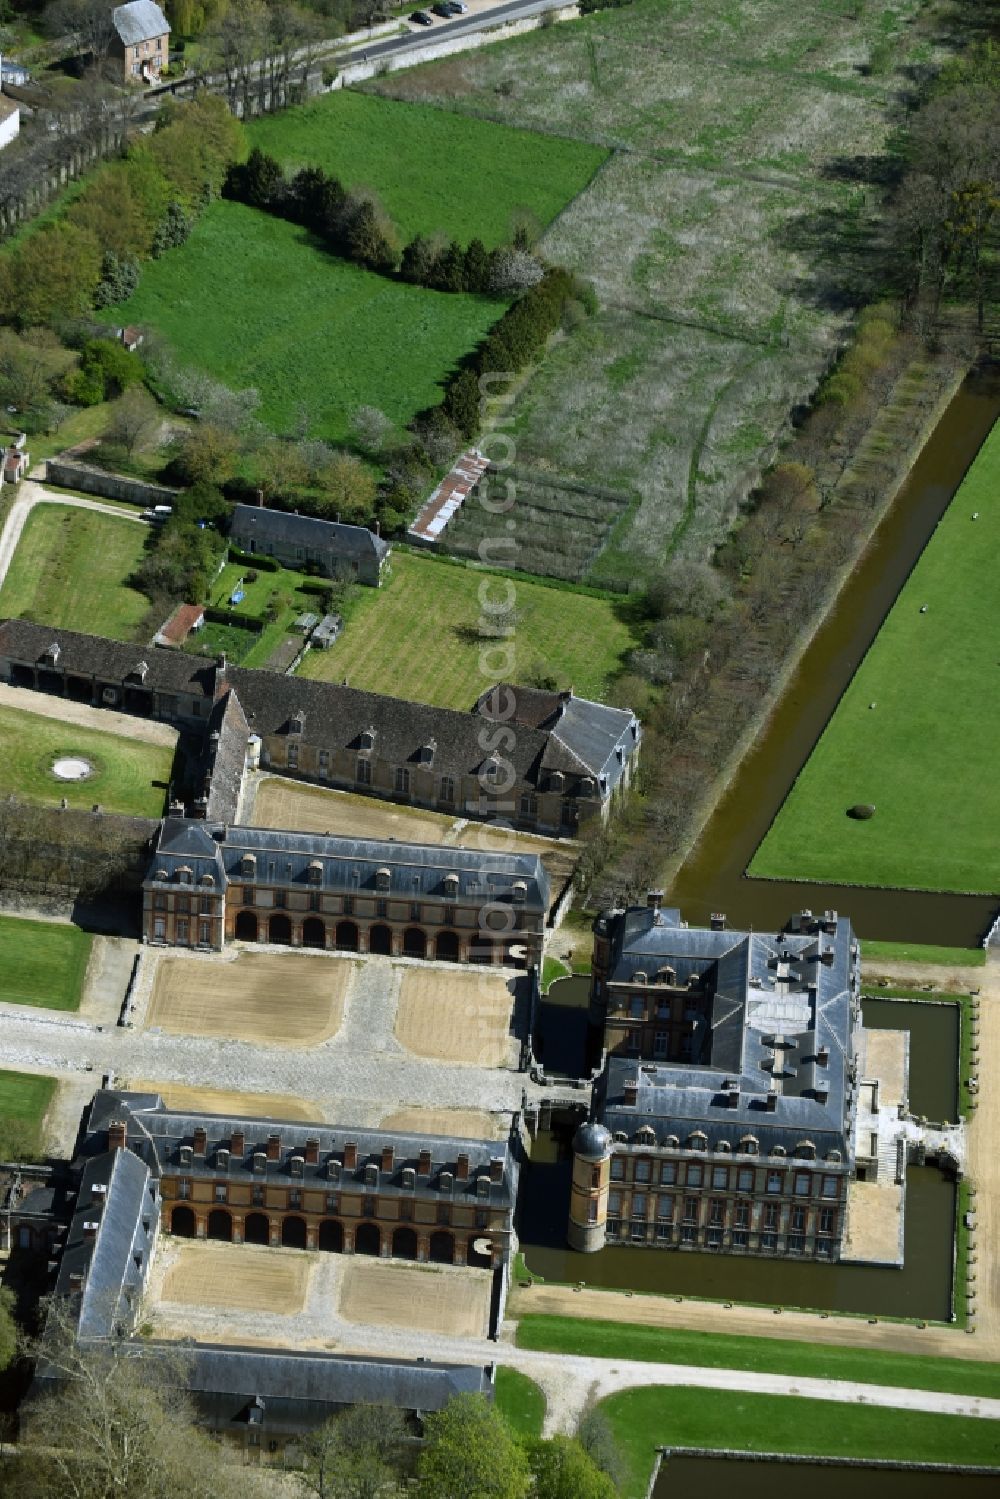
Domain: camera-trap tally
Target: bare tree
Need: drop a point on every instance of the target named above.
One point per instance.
(134, 418)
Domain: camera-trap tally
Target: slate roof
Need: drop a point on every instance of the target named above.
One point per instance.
(139, 21)
(224, 759)
(349, 864)
(109, 660)
(783, 1021)
(582, 737)
(281, 527)
(117, 1193)
(157, 1133)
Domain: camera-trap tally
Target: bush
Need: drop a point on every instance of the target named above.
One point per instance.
(119, 279)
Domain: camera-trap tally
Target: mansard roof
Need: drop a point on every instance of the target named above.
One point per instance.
(776, 1056)
(156, 1134)
(351, 864)
(284, 527)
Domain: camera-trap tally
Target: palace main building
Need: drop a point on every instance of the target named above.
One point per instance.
(723, 1118)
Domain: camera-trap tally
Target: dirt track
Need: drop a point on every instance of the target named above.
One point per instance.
(216, 1101)
(85, 717)
(450, 1018)
(257, 997)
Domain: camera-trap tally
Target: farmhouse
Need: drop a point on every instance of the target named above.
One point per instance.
(143, 1170)
(208, 885)
(351, 553)
(724, 1116)
(546, 762)
(141, 31)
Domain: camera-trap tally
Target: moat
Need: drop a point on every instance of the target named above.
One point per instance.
(921, 1289)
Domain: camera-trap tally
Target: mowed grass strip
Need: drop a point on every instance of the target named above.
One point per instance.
(466, 178)
(254, 302)
(420, 636)
(129, 777)
(70, 570)
(42, 963)
(24, 1098)
(915, 734)
(620, 1340)
(520, 1401)
(922, 952)
(655, 1416)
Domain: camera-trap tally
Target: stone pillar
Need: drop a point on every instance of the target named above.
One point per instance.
(461, 1251)
(237, 1227)
(348, 1238)
(312, 1235)
(397, 944)
(274, 1232)
(200, 1223)
(385, 1241)
(423, 1248)
(296, 934)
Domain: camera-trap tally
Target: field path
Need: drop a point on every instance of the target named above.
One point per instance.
(31, 493)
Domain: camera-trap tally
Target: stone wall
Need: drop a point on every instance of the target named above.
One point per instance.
(82, 476)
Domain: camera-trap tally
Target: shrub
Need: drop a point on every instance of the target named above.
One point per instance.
(119, 279)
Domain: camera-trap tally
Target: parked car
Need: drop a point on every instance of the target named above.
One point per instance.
(441, 9)
(421, 18)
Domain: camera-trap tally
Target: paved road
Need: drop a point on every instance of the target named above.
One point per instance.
(462, 26)
(30, 494)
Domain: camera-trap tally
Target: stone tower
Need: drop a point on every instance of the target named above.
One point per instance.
(588, 1206)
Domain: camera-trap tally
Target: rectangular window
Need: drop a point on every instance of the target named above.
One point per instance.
(295, 1198)
(830, 1186)
(665, 1208)
(183, 927)
(617, 1168)
(797, 1220)
(717, 1210)
(637, 1008)
(444, 1212)
(595, 1176)
(183, 1188)
(204, 933)
(221, 1191)
(695, 1176)
(740, 1238)
(280, 899)
(720, 1178)
(382, 908)
(643, 1170)
(660, 1043)
(182, 903)
(668, 1172)
(159, 927)
(639, 1205)
(772, 1212)
(406, 1212)
(802, 1183)
(324, 759)
(529, 805)
(741, 1215)
(348, 905)
(369, 1206)
(332, 1202)
(592, 1212)
(614, 1203)
(363, 772)
(292, 758)
(768, 1241)
(744, 1179)
(402, 780)
(258, 1197)
(159, 902)
(690, 1210)
(206, 905)
(828, 1220)
(775, 1182)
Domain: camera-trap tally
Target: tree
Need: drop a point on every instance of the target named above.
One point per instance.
(134, 419)
(511, 271)
(598, 1440)
(30, 364)
(563, 1469)
(115, 1426)
(355, 1455)
(207, 454)
(8, 1327)
(50, 275)
(371, 427)
(470, 1453)
(349, 488)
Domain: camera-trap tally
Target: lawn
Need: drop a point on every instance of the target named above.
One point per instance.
(129, 777)
(654, 1416)
(717, 237)
(419, 636)
(465, 178)
(521, 1401)
(70, 568)
(619, 1340)
(42, 963)
(24, 1099)
(251, 300)
(921, 952)
(915, 733)
(277, 597)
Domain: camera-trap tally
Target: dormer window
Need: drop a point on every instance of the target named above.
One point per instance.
(161, 874)
(248, 867)
(371, 1175)
(185, 875)
(557, 781)
(697, 1140)
(446, 1181)
(208, 880)
(297, 723)
(140, 671)
(450, 886)
(366, 741)
(586, 786)
(427, 752)
(749, 1145)
(519, 892)
(314, 873)
(383, 879)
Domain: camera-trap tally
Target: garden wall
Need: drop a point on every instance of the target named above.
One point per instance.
(97, 481)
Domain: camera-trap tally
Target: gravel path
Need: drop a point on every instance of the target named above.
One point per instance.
(86, 717)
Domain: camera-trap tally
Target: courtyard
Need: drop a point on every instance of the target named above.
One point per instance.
(252, 995)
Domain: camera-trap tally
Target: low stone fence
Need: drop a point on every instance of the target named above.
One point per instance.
(90, 480)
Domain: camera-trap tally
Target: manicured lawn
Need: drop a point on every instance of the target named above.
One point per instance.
(23, 1101)
(915, 733)
(128, 777)
(619, 1340)
(42, 963)
(276, 596)
(921, 952)
(521, 1401)
(70, 569)
(644, 1419)
(460, 176)
(419, 636)
(253, 302)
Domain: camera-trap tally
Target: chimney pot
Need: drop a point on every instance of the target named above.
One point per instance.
(462, 1168)
(388, 1156)
(496, 1169)
(424, 1163)
(350, 1156)
(274, 1147)
(200, 1140)
(238, 1143)
(312, 1151)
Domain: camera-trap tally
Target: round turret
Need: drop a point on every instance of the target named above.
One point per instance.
(592, 1142)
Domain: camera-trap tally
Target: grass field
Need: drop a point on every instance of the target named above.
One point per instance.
(921, 952)
(654, 1416)
(42, 963)
(915, 733)
(419, 636)
(620, 1340)
(464, 177)
(521, 1401)
(129, 777)
(316, 336)
(717, 236)
(70, 569)
(24, 1098)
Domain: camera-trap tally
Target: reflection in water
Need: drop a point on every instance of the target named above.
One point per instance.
(711, 878)
(787, 1480)
(921, 1289)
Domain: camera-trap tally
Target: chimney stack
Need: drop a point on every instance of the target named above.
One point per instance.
(462, 1168)
(350, 1156)
(388, 1156)
(117, 1131)
(200, 1140)
(424, 1163)
(238, 1144)
(496, 1170)
(312, 1151)
(274, 1147)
